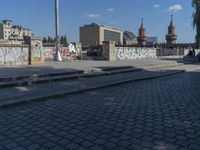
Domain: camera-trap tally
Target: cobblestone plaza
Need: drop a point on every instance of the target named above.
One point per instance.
(158, 114)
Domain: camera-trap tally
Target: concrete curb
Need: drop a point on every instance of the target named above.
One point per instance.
(61, 94)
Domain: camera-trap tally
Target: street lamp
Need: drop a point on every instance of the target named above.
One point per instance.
(57, 56)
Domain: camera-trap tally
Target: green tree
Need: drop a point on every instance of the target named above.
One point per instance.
(196, 19)
(65, 44)
(44, 40)
(62, 40)
(49, 39)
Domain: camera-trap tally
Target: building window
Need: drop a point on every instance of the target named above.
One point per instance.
(112, 36)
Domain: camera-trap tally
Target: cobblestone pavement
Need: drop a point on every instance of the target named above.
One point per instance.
(159, 114)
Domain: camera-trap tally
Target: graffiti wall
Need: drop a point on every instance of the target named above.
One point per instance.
(65, 52)
(50, 52)
(14, 55)
(127, 53)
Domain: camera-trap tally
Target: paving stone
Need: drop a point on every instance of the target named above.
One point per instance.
(154, 114)
(72, 146)
(41, 141)
(135, 147)
(49, 145)
(16, 148)
(64, 142)
(110, 145)
(182, 143)
(124, 143)
(100, 141)
(87, 144)
(33, 147)
(11, 145)
(96, 147)
(146, 144)
(58, 148)
(26, 143)
(194, 146)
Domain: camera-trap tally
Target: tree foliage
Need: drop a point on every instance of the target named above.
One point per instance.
(44, 40)
(63, 40)
(196, 19)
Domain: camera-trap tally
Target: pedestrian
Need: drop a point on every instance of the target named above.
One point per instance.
(190, 53)
(193, 51)
(198, 56)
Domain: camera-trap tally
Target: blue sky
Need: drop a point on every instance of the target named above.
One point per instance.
(123, 14)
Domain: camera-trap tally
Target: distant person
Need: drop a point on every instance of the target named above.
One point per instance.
(190, 53)
(193, 52)
(198, 56)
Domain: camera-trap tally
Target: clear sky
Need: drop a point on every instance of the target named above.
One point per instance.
(123, 14)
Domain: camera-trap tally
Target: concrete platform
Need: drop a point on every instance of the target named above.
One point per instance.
(82, 65)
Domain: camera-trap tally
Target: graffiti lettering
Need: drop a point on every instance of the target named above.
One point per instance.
(126, 53)
(65, 52)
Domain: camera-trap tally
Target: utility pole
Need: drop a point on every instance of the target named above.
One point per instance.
(57, 25)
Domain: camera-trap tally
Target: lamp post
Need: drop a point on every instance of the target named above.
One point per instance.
(57, 56)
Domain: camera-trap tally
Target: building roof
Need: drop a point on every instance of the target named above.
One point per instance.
(171, 22)
(20, 27)
(14, 26)
(101, 25)
(5, 21)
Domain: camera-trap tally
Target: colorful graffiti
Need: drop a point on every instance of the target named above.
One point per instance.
(49, 53)
(126, 53)
(14, 55)
(65, 52)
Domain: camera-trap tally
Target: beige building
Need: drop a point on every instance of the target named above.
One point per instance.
(13, 34)
(95, 34)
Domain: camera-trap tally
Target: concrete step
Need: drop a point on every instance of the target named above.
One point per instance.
(49, 78)
(115, 68)
(21, 95)
(35, 76)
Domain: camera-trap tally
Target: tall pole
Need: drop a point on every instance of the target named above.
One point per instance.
(57, 25)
